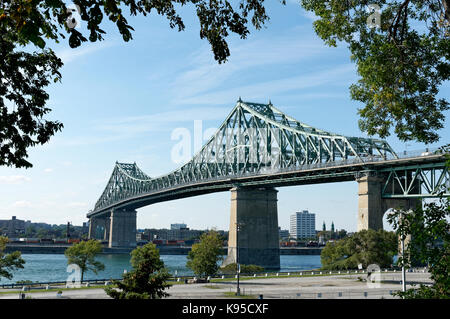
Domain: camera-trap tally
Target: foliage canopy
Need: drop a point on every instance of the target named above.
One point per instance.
(147, 279)
(83, 255)
(402, 53)
(365, 247)
(428, 229)
(9, 262)
(205, 256)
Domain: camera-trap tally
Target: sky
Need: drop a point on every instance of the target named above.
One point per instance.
(122, 101)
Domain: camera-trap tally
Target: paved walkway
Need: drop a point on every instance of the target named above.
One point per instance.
(323, 287)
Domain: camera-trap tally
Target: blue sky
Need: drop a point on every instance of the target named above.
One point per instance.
(122, 101)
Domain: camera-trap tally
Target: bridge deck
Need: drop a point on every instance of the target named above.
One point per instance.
(308, 174)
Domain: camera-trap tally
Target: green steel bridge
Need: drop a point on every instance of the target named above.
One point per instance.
(256, 149)
(258, 145)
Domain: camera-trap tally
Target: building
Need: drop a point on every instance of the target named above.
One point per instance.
(283, 233)
(178, 226)
(303, 225)
(12, 228)
(175, 234)
(172, 234)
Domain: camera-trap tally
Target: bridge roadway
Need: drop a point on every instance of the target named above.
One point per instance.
(342, 171)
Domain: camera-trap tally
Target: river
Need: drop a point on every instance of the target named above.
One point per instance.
(53, 267)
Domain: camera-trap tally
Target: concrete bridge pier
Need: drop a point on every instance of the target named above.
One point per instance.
(93, 223)
(255, 211)
(107, 228)
(371, 205)
(122, 230)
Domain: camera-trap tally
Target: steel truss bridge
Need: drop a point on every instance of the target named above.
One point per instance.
(258, 145)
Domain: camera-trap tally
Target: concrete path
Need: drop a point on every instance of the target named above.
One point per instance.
(317, 287)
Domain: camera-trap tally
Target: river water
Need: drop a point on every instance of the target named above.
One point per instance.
(53, 267)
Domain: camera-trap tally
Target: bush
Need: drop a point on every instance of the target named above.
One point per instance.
(245, 269)
(148, 278)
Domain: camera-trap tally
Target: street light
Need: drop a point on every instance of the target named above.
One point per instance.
(403, 254)
(403, 265)
(238, 266)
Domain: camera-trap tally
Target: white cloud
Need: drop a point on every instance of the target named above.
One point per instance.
(48, 170)
(271, 88)
(129, 126)
(77, 204)
(21, 204)
(204, 74)
(14, 179)
(69, 54)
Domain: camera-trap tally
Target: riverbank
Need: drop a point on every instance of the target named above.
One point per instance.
(163, 250)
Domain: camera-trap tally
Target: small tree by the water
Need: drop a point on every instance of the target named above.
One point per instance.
(147, 279)
(83, 255)
(9, 262)
(204, 256)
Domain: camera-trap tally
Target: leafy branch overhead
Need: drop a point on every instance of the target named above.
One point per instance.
(25, 75)
(402, 61)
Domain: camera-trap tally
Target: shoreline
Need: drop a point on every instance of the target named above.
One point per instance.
(163, 250)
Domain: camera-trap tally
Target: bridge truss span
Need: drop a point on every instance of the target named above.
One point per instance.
(254, 140)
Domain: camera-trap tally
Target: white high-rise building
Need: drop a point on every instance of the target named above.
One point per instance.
(303, 225)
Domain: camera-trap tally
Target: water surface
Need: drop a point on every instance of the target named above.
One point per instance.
(53, 267)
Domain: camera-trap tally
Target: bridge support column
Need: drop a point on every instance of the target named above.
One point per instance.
(107, 228)
(93, 223)
(371, 205)
(255, 211)
(122, 231)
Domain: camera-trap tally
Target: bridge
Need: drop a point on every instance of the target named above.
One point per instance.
(257, 149)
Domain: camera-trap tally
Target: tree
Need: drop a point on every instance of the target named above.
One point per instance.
(83, 255)
(147, 280)
(402, 53)
(401, 66)
(364, 247)
(429, 231)
(9, 262)
(34, 22)
(204, 256)
(341, 234)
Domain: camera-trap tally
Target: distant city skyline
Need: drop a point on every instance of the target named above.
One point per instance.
(123, 102)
